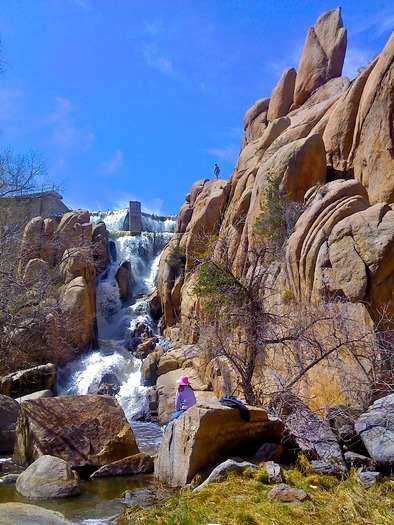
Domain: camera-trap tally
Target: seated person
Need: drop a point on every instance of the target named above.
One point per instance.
(184, 398)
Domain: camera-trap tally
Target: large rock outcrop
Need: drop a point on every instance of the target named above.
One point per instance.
(83, 430)
(78, 251)
(323, 55)
(208, 433)
(327, 144)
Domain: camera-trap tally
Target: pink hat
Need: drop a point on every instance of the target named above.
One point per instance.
(183, 380)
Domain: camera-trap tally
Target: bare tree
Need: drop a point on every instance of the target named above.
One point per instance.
(275, 344)
(22, 174)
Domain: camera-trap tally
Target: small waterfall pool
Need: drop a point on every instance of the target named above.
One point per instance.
(113, 363)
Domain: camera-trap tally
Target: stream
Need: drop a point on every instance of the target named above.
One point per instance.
(102, 498)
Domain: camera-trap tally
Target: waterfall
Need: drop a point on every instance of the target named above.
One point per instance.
(114, 220)
(117, 320)
(118, 221)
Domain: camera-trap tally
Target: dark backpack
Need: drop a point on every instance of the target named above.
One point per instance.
(233, 402)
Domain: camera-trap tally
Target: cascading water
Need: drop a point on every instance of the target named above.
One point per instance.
(112, 363)
(117, 320)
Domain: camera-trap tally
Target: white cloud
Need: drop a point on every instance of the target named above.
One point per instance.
(230, 132)
(67, 133)
(355, 59)
(382, 21)
(156, 59)
(113, 165)
(121, 201)
(228, 153)
(154, 28)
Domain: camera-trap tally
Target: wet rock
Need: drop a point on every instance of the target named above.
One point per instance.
(24, 514)
(137, 464)
(9, 467)
(101, 249)
(153, 403)
(155, 305)
(48, 478)
(9, 479)
(145, 348)
(149, 369)
(112, 251)
(126, 281)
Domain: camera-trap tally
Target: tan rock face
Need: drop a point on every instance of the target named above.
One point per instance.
(332, 149)
(79, 310)
(338, 134)
(82, 430)
(70, 249)
(372, 152)
(259, 107)
(100, 246)
(361, 251)
(331, 204)
(282, 96)
(208, 433)
(323, 55)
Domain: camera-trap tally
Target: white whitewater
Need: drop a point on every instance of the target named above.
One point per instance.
(116, 320)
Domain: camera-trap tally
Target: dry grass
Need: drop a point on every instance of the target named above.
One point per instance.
(244, 501)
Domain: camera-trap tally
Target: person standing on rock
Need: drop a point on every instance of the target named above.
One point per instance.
(216, 171)
(184, 398)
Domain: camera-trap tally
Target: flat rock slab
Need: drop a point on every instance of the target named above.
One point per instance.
(209, 433)
(138, 464)
(86, 430)
(24, 514)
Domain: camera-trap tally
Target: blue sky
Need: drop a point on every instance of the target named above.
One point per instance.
(137, 99)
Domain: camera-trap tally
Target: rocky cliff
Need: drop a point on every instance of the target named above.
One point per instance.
(64, 254)
(326, 143)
